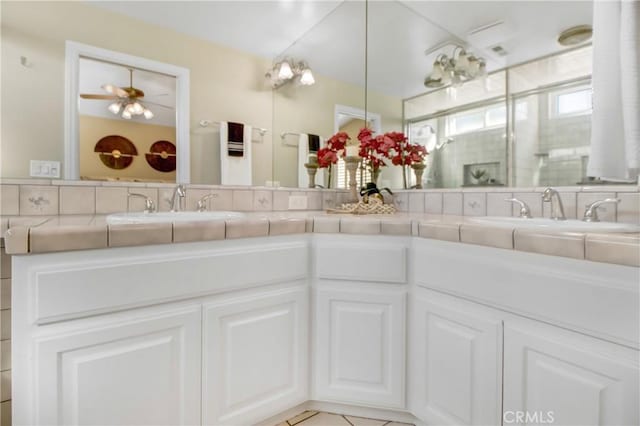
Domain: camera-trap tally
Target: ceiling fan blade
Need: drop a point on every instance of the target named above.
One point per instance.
(91, 96)
(157, 104)
(115, 90)
(157, 94)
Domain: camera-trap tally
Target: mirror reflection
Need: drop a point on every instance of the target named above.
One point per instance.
(437, 75)
(126, 123)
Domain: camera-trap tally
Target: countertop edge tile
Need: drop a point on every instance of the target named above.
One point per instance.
(564, 244)
(66, 238)
(184, 232)
(16, 240)
(490, 236)
(618, 249)
(140, 234)
(440, 231)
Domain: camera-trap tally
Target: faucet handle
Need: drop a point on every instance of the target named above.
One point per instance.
(149, 205)
(591, 210)
(202, 202)
(525, 210)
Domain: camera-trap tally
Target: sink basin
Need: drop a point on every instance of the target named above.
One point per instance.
(140, 217)
(569, 225)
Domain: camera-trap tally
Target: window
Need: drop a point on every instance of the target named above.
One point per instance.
(478, 119)
(342, 176)
(575, 101)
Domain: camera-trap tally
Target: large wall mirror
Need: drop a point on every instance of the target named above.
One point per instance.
(524, 121)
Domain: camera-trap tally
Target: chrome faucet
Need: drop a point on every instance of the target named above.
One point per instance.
(525, 211)
(149, 205)
(202, 202)
(176, 200)
(591, 211)
(557, 210)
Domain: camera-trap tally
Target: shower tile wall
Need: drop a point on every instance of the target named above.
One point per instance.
(482, 147)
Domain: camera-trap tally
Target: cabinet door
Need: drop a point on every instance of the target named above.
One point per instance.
(131, 369)
(560, 377)
(255, 356)
(455, 361)
(360, 345)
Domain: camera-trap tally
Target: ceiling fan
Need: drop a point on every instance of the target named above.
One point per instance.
(126, 100)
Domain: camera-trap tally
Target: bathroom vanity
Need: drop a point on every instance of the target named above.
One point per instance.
(239, 331)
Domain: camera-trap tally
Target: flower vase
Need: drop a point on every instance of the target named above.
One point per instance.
(375, 174)
(418, 170)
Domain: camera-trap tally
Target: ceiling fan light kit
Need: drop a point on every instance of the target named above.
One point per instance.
(126, 101)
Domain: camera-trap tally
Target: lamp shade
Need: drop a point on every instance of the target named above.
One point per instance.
(307, 77)
(285, 72)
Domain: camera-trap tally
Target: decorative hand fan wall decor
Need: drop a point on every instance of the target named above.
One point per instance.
(162, 156)
(127, 101)
(116, 152)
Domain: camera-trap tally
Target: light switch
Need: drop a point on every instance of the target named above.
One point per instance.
(48, 169)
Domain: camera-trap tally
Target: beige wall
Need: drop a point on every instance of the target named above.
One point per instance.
(142, 135)
(226, 84)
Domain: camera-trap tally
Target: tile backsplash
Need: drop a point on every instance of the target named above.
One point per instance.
(23, 197)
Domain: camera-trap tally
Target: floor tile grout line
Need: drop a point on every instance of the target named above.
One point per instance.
(303, 420)
(348, 421)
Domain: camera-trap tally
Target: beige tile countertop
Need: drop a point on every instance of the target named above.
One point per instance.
(79, 232)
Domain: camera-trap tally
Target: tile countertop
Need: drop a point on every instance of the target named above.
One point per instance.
(78, 232)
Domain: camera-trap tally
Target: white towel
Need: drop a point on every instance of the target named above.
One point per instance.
(615, 130)
(303, 156)
(235, 170)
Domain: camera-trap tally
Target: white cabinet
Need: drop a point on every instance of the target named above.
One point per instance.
(360, 344)
(455, 361)
(127, 369)
(567, 377)
(255, 358)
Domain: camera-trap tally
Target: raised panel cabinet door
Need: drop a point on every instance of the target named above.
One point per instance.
(554, 376)
(455, 361)
(360, 346)
(255, 356)
(134, 369)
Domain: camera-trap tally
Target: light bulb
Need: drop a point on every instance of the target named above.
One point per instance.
(126, 115)
(437, 72)
(115, 107)
(306, 78)
(147, 114)
(137, 109)
(462, 63)
(446, 78)
(285, 72)
(129, 109)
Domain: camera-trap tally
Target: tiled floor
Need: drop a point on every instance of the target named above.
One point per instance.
(315, 418)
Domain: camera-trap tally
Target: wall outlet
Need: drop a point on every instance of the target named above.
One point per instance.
(297, 202)
(48, 169)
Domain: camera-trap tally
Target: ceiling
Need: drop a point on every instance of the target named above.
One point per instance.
(327, 33)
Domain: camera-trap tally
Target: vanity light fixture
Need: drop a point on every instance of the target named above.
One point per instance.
(461, 67)
(288, 70)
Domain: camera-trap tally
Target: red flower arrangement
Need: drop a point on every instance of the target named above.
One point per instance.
(335, 148)
(393, 146)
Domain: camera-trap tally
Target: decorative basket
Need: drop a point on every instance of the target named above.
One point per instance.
(374, 206)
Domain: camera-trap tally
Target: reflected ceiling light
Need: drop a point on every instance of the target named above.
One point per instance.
(129, 109)
(575, 35)
(287, 71)
(456, 70)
